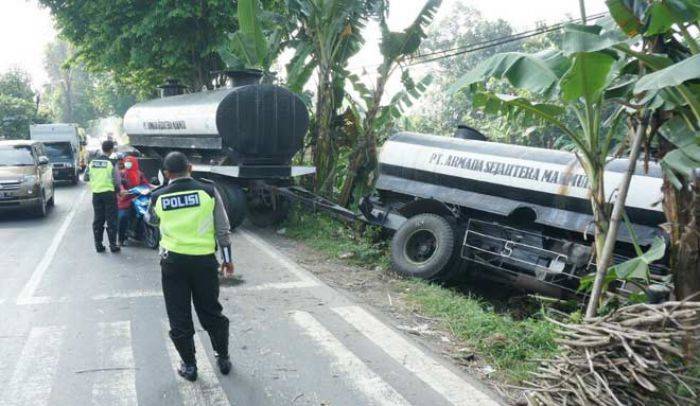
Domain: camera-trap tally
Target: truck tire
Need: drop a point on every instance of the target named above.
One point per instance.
(74, 180)
(424, 247)
(235, 201)
(263, 215)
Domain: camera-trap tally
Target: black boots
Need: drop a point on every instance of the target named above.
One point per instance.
(100, 248)
(224, 364)
(188, 371)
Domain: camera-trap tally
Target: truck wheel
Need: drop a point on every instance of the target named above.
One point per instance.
(74, 179)
(235, 201)
(424, 247)
(264, 215)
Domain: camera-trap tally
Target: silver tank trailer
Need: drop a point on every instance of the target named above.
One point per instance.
(253, 124)
(241, 137)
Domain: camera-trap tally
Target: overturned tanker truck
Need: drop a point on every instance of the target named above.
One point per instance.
(515, 214)
(242, 137)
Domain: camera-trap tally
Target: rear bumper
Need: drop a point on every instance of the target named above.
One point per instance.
(64, 173)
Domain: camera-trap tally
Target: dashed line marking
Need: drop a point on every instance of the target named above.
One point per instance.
(32, 379)
(445, 382)
(344, 362)
(118, 385)
(206, 390)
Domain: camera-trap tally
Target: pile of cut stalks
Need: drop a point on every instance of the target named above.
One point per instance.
(633, 356)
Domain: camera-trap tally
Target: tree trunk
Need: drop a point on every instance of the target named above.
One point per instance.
(363, 157)
(682, 209)
(603, 257)
(322, 148)
(68, 87)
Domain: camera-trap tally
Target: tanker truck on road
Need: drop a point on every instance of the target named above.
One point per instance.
(242, 137)
(516, 214)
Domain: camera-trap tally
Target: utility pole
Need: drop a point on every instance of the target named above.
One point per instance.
(582, 7)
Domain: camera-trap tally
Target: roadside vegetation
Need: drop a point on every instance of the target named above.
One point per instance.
(337, 240)
(511, 345)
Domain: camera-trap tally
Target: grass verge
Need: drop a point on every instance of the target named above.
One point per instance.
(336, 240)
(511, 346)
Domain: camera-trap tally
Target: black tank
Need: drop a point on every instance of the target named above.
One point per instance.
(253, 124)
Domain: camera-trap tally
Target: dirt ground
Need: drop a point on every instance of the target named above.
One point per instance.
(383, 292)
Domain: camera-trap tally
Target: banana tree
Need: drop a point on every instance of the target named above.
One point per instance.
(327, 34)
(260, 38)
(554, 84)
(395, 48)
(671, 86)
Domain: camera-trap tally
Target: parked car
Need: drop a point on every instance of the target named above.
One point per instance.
(26, 177)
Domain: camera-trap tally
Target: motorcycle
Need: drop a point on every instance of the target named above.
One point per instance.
(139, 229)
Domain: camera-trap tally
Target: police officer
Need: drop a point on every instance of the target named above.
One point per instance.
(104, 181)
(192, 221)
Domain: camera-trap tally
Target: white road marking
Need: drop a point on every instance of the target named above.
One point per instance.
(282, 286)
(207, 389)
(33, 377)
(356, 373)
(293, 267)
(26, 296)
(224, 289)
(453, 388)
(129, 295)
(116, 385)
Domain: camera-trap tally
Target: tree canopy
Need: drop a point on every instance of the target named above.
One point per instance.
(76, 95)
(18, 107)
(146, 41)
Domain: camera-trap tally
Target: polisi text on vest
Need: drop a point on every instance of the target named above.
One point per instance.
(180, 201)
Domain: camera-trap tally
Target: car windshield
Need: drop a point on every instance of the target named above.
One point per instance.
(16, 156)
(58, 150)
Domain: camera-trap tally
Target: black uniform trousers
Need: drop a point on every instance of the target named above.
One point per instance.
(105, 207)
(187, 280)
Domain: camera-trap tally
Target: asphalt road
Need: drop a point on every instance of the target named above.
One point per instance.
(79, 328)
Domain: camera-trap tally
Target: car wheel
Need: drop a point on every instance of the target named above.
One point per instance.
(41, 209)
(424, 247)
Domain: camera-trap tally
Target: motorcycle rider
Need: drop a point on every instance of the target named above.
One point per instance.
(192, 221)
(104, 181)
(131, 176)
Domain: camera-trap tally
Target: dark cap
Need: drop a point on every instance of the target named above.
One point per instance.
(176, 162)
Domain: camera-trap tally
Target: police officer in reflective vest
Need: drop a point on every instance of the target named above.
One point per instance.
(192, 221)
(104, 181)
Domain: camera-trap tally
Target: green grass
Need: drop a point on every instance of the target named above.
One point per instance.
(336, 240)
(511, 346)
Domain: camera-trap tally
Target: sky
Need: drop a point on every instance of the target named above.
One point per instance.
(26, 28)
